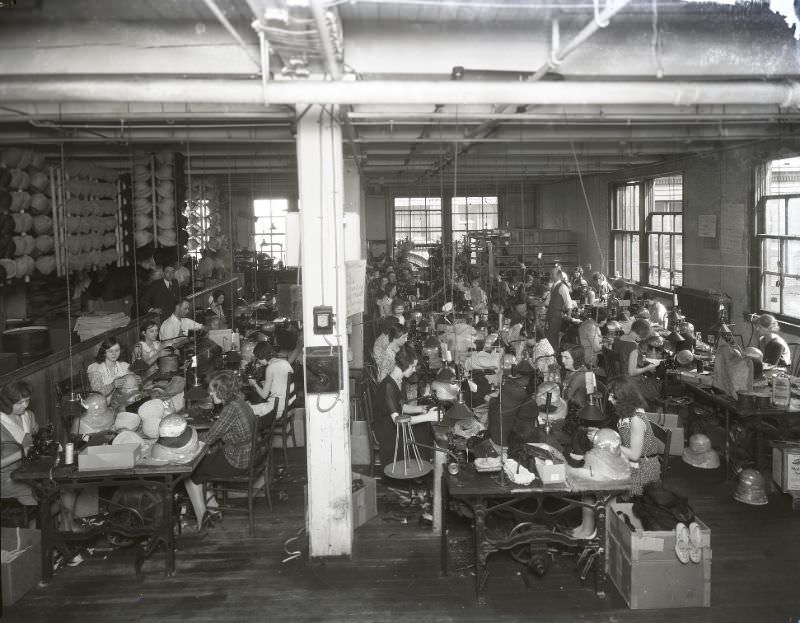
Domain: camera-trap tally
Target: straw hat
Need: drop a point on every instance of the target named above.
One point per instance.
(10, 157)
(40, 204)
(166, 204)
(699, 453)
(37, 161)
(18, 201)
(42, 224)
(10, 267)
(143, 220)
(23, 222)
(165, 188)
(142, 204)
(44, 244)
(46, 264)
(167, 237)
(39, 181)
(142, 189)
(165, 172)
(165, 157)
(127, 437)
(151, 413)
(127, 421)
(166, 221)
(143, 238)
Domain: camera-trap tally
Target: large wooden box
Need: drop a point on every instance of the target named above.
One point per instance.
(22, 562)
(646, 571)
(786, 467)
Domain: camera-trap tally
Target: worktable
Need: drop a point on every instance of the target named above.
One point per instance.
(485, 494)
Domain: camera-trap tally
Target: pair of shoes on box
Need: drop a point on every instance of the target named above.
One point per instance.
(688, 543)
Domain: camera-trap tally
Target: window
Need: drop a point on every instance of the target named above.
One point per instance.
(779, 238)
(270, 229)
(473, 214)
(649, 211)
(418, 219)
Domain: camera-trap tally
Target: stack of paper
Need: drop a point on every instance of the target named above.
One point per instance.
(98, 322)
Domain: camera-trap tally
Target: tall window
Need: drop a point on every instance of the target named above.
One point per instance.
(270, 229)
(649, 211)
(418, 219)
(473, 214)
(779, 238)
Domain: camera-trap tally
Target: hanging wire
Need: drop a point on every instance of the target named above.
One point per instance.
(588, 208)
(66, 265)
(135, 252)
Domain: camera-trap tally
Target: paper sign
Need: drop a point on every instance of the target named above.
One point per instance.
(356, 272)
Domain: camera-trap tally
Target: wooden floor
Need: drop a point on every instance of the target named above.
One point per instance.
(394, 574)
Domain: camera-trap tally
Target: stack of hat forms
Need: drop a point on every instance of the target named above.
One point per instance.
(154, 200)
(91, 216)
(26, 227)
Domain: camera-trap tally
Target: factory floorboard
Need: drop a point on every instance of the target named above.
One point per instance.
(394, 572)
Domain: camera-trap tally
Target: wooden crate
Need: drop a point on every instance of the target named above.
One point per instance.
(646, 571)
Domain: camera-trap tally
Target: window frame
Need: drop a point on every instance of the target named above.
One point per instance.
(279, 233)
(643, 229)
(431, 241)
(761, 267)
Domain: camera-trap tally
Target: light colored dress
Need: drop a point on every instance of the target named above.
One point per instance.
(150, 353)
(101, 379)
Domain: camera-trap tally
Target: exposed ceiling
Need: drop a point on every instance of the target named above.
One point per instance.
(430, 92)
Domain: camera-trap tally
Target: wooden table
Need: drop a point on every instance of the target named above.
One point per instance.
(48, 482)
(748, 418)
(534, 524)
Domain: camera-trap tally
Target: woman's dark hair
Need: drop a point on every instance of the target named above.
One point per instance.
(627, 394)
(216, 294)
(104, 346)
(578, 355)
(390, 287)
(641, 328)
(405, 357)
(226, 385)
(396, 330)
(263, 350)
(12, 393)
(285, 339)
(147, 324)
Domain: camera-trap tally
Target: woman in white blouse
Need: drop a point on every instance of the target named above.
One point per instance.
(149, 346)
(106, 373)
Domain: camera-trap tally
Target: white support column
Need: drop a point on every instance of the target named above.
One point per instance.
(356, 246)
(329, 513)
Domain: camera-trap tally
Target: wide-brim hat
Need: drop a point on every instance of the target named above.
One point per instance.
(143, 238)
(142, 189)
(168, 237)
(165, 172)
(699, 453)
(165, 188)
(46, 264)
(10, 268)
(180, 449)
(127, 437)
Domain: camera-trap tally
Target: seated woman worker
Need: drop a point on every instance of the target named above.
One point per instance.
(631, 359)
(390, 403)
(229, 441)
(107, 372)
(776, 350)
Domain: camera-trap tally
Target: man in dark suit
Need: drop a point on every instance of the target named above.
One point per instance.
(162, 294)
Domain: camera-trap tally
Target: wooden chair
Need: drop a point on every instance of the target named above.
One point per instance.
(263, 429)
(794, 369)
(366, 398)
(664, 435)
(284, 421)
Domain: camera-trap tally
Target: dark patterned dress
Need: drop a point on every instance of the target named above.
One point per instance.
(649, 468)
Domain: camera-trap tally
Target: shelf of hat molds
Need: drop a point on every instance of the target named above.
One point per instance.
(26, 246)
(157, 196)
(87, 216)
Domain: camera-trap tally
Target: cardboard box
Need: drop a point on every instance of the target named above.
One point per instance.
(123, 456)
(359, 442)
(23, 572)
(665, 420)
(365, 500)
(677, 442)
(646, 571)
(786, 467)
(551, 473)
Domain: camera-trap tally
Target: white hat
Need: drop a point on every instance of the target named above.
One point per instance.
(143, 238)
(46, 264)
(127, 421)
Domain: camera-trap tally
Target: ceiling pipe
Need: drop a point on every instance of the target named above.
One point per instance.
(783, 94)
(212, 5)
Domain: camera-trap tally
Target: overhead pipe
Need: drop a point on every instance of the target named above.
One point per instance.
(784, 94)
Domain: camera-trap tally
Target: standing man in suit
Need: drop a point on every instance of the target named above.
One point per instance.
(162, 294)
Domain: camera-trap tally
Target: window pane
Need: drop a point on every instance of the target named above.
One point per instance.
(793, 257)
(679, 223)
(491, 220)
(677, 253)
(654, 258)
(771, 298)
(401, 202)
(771, 255)
(668, 220)
(664, 282)
(635, 258)
(791, 297)
(655, 223)
(677, 278)
(653, 276)
(775, 217)
(666, 255)
(794, 216)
